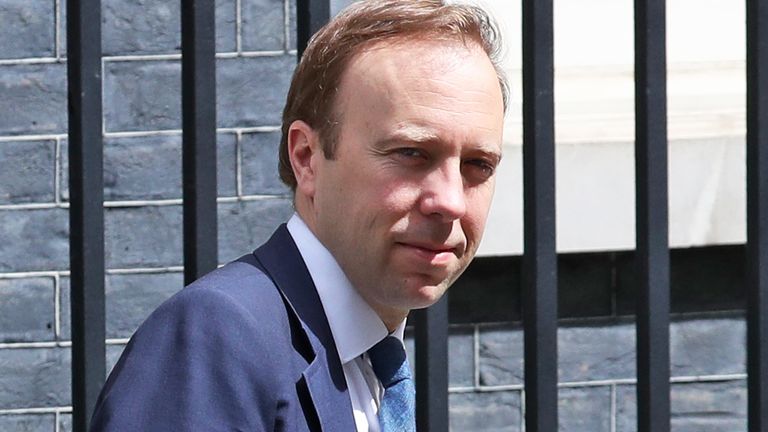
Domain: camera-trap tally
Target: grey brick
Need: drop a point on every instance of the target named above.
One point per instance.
(65, 423)
(34, 377)
(586, 409)
(461, 356)
(26, 310)
(145, 168)
(34, 99)
(594, 352)
(27, 171)
(695, 407)
(709, 407)
(226, 29)
(145, 95)
(251, 91)
(259, 165)
(34, 239)
(141, 27)
(243, 226)
(626, 408)
(142, 95)
(226, 164)
(27, 422)
(486, 411)
(461, 364)
(113, 355)
(130, 298)
(263, 25)
(708, 347)
(26, 29)
(501, 355)
(143, 236)
(153, 27)
(597, 352)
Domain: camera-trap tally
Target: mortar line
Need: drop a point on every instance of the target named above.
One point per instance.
(522, 409)
(28, 345)
(238, 26)
(476, 354)
(57, 306)
(145, 270)
(57, 28)
(286, 25)
(57, 172)
(31, 206)
(165, 132)
(39, 137)
(31, 274)
(32, 410)
(613, 409)
(30, 61)
(239, 164)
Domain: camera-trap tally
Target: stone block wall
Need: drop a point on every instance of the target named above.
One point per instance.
(142, 169)
(142, 174)
(596, 372)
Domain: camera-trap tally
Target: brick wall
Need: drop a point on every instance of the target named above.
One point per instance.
(142, 158)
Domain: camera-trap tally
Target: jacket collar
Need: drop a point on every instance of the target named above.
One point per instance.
(324, 377)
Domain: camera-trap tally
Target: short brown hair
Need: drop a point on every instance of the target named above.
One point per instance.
(315, 82)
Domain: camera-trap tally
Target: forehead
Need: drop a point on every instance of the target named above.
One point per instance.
(423, 80)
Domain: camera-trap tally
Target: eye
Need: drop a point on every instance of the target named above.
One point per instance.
(410, 152)
(410, 156)
(478, 170)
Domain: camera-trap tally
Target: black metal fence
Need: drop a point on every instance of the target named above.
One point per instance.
(540, 257)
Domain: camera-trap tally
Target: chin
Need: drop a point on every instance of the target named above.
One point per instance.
(426, 295)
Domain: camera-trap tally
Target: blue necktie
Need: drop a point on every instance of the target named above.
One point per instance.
(397, 412)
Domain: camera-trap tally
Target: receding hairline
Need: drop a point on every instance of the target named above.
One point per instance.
(427, 37)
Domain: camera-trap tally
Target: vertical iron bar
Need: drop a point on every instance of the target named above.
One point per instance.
(652, 254)
(432, 367)
(757, 213)
(198, 82)
(540, 254)
(310, 16)
(86, 214)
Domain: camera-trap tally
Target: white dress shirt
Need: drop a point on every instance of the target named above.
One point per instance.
(354, 325)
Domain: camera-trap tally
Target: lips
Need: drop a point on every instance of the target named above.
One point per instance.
(434, 253)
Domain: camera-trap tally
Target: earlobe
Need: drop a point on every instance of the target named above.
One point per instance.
(303, 145)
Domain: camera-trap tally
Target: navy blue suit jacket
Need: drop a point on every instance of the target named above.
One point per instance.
(245, 348)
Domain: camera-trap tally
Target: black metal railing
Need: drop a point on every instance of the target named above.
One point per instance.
(86, 211)
(539, 245)
(198, 118)
(540, 257)
(757, 214)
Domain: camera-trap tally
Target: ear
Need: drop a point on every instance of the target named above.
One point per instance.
(303, 149)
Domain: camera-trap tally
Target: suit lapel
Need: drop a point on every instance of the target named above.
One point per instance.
(324, 377)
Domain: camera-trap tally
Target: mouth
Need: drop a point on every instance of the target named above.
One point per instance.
(434, 253)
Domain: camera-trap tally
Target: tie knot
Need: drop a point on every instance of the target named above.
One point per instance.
(389, 361)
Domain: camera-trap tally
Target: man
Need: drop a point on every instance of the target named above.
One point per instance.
(392, 132)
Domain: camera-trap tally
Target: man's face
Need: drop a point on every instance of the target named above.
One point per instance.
(403, 203)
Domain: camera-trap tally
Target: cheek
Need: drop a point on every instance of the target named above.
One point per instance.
(473, 223)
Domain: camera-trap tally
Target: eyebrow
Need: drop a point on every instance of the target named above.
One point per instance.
(415, 134)
(421, 135)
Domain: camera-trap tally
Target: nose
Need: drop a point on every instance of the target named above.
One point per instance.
(443, 194)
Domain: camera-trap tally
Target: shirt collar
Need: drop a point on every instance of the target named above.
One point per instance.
(354, 325)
